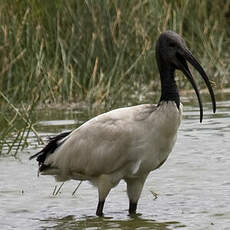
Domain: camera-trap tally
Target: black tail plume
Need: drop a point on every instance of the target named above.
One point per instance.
(53, 144)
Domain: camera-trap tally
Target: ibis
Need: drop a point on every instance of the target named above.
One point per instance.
(127, 143)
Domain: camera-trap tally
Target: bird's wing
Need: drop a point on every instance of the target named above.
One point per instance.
(102, 145)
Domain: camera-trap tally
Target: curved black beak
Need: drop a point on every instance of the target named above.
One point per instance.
(184, 68)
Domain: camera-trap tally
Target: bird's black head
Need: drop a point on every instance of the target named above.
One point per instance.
(168, 46)
(171, 54)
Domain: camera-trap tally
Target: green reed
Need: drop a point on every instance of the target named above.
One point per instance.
(100, 51)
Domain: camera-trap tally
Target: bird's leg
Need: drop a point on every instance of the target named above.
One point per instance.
(100, 206)
(104, 186)
(134, 189)
(132, 208)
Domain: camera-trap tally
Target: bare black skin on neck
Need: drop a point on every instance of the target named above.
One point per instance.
(169, 90)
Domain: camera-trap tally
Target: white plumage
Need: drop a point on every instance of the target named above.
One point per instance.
(119, 144)
(126, 143)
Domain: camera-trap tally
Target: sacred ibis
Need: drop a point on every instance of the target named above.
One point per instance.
(126, 143)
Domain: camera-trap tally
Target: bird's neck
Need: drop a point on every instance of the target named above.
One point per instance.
(169, 90)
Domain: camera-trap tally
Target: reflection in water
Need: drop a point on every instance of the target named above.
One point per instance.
(93, 223)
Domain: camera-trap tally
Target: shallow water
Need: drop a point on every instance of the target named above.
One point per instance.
(192, 187)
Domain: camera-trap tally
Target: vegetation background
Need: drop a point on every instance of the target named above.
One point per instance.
(100, 52)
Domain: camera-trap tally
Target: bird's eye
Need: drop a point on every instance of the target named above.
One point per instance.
(172, 45)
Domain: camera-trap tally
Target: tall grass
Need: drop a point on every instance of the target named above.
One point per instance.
(102, 51)
(77, 50)
(16, 125)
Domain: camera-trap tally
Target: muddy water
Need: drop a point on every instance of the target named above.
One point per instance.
(190, 191)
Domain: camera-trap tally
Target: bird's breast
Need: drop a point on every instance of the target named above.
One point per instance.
(161, 133)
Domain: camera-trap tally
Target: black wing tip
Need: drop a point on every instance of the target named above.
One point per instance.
(43, 167)
(50, 148)
(32, 157)
(35, 155)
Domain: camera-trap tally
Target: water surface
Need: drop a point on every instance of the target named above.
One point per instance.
(192, 189)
